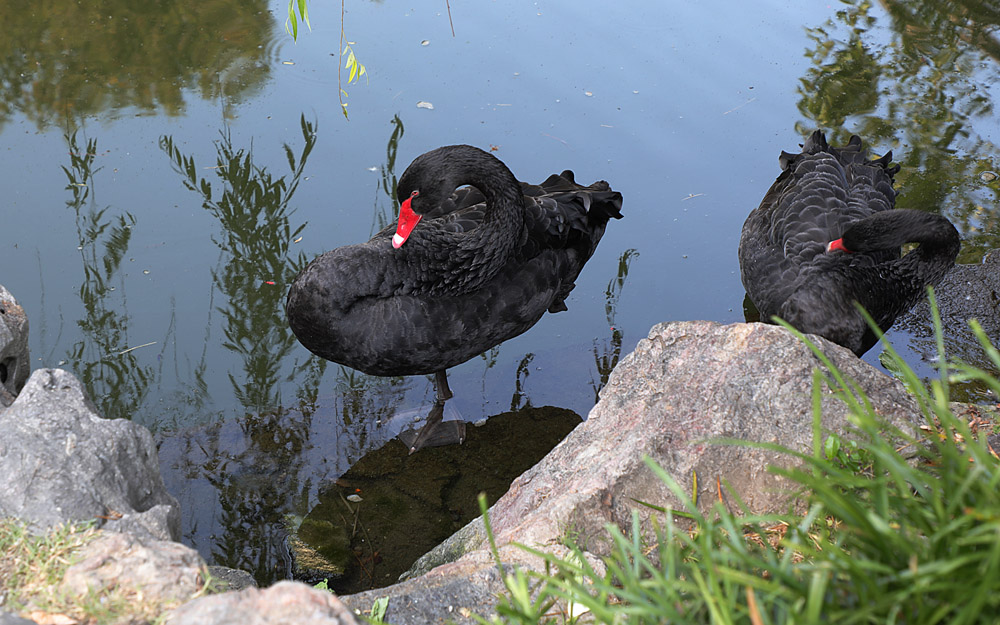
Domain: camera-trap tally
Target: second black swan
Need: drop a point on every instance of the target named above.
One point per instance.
(461, 272)
(827, 235)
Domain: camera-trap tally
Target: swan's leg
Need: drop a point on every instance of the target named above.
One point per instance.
(435, 432)
(441, 384)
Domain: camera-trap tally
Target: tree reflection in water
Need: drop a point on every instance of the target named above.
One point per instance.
(64, 61)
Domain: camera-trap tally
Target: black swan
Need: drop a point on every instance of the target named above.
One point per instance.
(482, 266)
(827, 235)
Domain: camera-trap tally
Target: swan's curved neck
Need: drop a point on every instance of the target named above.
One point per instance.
(488, 174)
(488, 247)
(462, 261)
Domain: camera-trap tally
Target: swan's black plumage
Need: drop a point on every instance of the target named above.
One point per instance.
(482, 266)
(824, 194)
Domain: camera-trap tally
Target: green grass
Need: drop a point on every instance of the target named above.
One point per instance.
(32, 567)
(898, 531)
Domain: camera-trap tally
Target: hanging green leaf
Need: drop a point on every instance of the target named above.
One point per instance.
(292, 23)
(355, 69)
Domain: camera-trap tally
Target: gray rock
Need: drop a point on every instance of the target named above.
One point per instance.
(231, 579)
(60, 461)
(451, 593)
(163, 573)
(14, 363)
(688, 383)
(284, 603)
(6, 618)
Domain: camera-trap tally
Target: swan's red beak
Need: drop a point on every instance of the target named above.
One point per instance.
(407, 220)
(834, 246)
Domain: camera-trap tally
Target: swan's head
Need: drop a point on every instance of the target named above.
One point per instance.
(430, 179)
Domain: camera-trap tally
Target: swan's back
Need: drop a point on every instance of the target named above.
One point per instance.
(818, 194)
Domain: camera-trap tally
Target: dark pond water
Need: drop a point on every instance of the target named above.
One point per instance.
(167, 166)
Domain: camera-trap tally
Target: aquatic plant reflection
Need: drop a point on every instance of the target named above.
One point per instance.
(609, 351)
(257, 478)
(255, 240)
(104, 359)
(381, 219)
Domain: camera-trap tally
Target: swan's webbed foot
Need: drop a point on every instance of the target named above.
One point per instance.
(436, 432)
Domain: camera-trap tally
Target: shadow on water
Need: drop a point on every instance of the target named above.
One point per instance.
(55, 70)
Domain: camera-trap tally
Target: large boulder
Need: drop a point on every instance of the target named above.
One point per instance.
(14, 365)
(60, 461)
(685, 385)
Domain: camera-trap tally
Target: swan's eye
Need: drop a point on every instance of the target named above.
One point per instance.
(414, 193)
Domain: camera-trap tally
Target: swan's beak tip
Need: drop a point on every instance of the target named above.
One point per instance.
(397, 241)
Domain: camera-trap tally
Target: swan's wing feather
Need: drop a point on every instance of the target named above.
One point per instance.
(561, 214)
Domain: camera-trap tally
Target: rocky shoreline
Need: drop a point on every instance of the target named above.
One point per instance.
(686, 383)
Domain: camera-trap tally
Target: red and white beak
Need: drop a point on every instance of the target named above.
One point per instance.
(407, 221)
(833, 246)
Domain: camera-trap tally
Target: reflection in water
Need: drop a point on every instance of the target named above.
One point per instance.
(380, 219)
(103, 358)
(920, 91)
(64, 60)
(607, 354)
(256, 262)
(257, 477)
(520, 399)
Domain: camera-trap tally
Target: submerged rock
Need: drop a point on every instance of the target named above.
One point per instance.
(392, 502)
(967, 292)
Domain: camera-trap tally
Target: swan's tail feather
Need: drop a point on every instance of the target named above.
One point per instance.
(605, 205)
